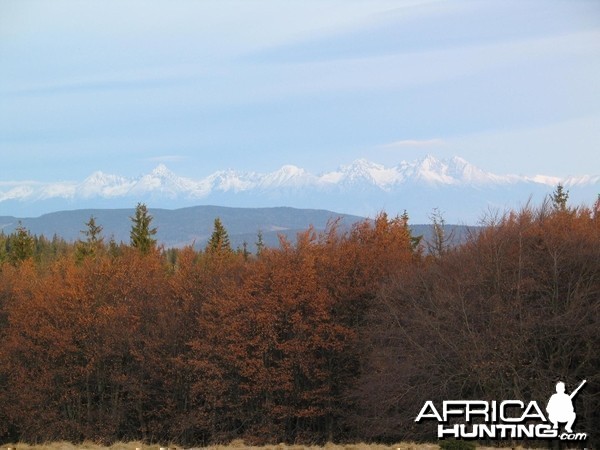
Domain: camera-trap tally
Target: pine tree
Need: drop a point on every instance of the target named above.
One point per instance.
(21, 245)
(219, 240)
(4, 244)
(260, 244)
(114, 249)
(415, 241)
(93, 240)
(141, 233)
(559, 198)
(244, 251)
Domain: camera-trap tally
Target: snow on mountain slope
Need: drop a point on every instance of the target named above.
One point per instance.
(104, 185)
(363, 171)
(429, 170)
(359, 184)
(287, 176)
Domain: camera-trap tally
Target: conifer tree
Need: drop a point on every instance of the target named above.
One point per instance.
(244, 251)
(414, 240)
(260, 244)
(114, 249)
(4, 244)
(21, 245)
(93, 240)
(219, 240)
(141, 233)
(559, 198)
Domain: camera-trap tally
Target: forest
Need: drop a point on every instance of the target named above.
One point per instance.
(340, 336)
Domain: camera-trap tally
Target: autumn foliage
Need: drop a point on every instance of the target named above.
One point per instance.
(341, 335)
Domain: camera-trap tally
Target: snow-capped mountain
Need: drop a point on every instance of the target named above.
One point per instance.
(102, 184)
(362, 187)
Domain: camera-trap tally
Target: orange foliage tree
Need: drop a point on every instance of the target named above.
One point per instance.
(341, 335)
(504, 316)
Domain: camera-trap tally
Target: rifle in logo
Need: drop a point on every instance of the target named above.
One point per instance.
(560, 407)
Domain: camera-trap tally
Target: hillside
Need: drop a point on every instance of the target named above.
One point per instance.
(194, 225)
(185, 226)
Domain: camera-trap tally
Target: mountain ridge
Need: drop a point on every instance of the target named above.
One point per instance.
(185, 226)
(194, 225)
(362, 188)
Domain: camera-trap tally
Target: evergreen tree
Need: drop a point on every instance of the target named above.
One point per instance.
(93, 240)
(559, 198)
(114, 249)
(414, 240)
(172, 255)
(260, 244)
(21, 245)
(4, 244)
(141, 233)
(219, 240)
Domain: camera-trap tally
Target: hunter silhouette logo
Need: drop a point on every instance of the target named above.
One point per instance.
(506, 419)
(560, 407)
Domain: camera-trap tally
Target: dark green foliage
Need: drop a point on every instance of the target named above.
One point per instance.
(219, 240)
(141, 232)
(559, 198)
(260, 244)
(93, 240)
(21, 245)
(415, 241)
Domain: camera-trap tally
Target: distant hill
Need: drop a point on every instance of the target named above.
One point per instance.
(194, 225)
(185, 226)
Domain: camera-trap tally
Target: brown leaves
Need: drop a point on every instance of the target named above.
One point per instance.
(340, 335)
(503, 316)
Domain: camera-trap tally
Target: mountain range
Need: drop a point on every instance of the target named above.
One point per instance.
(462, 191)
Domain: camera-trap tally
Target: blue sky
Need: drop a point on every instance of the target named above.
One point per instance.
(123, 85)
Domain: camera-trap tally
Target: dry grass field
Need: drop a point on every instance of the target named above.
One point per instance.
(235, 445)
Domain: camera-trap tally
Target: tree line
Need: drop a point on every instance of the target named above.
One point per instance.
(339, 336)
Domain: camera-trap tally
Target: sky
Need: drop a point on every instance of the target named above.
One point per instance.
(124, 85)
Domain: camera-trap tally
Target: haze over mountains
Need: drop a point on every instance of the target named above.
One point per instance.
(462, 191)
(188, 226)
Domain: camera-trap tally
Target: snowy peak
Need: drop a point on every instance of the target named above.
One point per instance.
(288, 176)
(362, 170)
(229, 180)
(361, 174)
(104, 185)
(432, 171)
(455, 171)
(164, 181)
